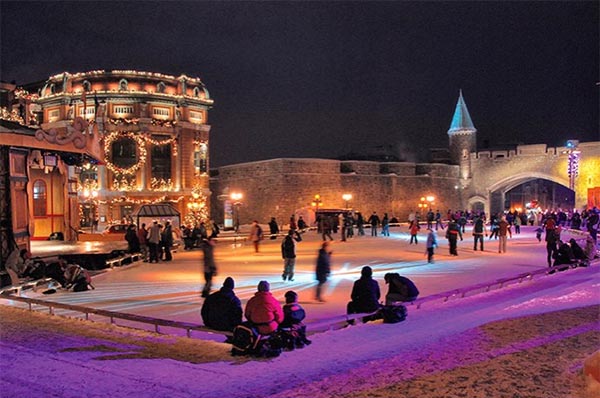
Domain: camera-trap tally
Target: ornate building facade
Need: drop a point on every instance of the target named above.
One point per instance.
(154, 136)
(98, 145)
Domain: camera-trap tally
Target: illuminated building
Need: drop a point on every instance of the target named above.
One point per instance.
(153, 136)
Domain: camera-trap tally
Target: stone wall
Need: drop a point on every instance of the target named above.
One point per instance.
(281, 187)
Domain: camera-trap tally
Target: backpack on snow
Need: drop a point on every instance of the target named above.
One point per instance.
(245, 339)
(393, 313)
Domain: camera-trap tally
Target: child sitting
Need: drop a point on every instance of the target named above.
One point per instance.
(292, 325)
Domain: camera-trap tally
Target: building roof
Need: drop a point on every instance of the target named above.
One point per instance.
(461, 122)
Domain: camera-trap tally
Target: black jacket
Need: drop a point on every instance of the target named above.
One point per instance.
(365, 295)
(222, 310)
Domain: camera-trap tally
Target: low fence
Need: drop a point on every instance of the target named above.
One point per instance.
(315, 327)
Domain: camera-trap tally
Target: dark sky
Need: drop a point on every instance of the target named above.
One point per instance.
(322, 79)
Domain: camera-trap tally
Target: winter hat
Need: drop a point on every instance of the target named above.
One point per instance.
(291, 297)
(263, 286)
(229, 283)
(366, 271)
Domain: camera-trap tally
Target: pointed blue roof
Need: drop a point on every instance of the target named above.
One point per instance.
(461, 122)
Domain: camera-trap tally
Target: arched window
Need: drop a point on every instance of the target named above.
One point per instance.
(123, 85)
(87, 86)
(196, 92)
(39, 199)
(52, 89)
(160, 87)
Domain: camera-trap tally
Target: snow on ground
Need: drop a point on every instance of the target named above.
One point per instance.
(525, 340)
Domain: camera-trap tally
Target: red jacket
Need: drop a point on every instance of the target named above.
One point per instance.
(264, 311)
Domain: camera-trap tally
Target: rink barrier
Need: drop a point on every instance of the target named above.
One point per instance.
(113, 315)
(487, 286)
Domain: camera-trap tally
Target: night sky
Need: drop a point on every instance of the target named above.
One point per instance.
(323, 79)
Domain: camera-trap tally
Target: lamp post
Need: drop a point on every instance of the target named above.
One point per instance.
(316, 202)
(347, 198)
(573, 162)
(236, 197)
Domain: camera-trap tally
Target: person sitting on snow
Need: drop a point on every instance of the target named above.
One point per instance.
(293, 314)
(400, 289)
(222, 310)
(263, 310)
(365, 293)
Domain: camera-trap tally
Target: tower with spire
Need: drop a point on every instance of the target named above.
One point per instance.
(463, 138)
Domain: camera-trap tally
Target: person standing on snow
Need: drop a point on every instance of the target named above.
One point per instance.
(452, 234)
(430, 245)
(503, 230)
(323, 269)
(288, 253)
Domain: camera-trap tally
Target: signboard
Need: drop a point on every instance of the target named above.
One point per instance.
(228, 214)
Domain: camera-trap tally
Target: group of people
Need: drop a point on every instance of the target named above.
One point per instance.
(222, 310)
(154, 243)
(563, 252)
(21, 265)
(365, 296)
(194, 235)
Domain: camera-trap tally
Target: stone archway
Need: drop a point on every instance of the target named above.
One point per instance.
(478, 203)
(497, 191)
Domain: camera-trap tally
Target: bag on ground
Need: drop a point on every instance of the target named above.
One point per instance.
(245, 339)
(393, 313)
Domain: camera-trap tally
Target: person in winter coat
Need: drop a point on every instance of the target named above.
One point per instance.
(385, 225)
(263, 310)
(551, 244)
(288, 253)
(323, 269)
(374, 221)
(210, 268)
(273, 228)
(503, 230)
(578, 252)
(452, 234)
(400, 289)
(142, 234)
(430, 245)
(256, 235)
(293, 315)
(154, 240)
(414, 229)
(133, 242)
(222, 310)
(301, 224)
(166, 239)
(478, 232)
(365, 293)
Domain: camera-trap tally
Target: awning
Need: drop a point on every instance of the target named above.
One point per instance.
(156, 211)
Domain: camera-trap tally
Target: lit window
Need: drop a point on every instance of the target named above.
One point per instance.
(90, 111)
(161, 112)
(196, 116)
(39, 198)
(123, 109)
(53, 115)
(201, 159)
(161, 160)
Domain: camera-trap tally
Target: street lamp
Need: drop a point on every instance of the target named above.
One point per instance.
(347, 198)
(236, 197)
(316, 202)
